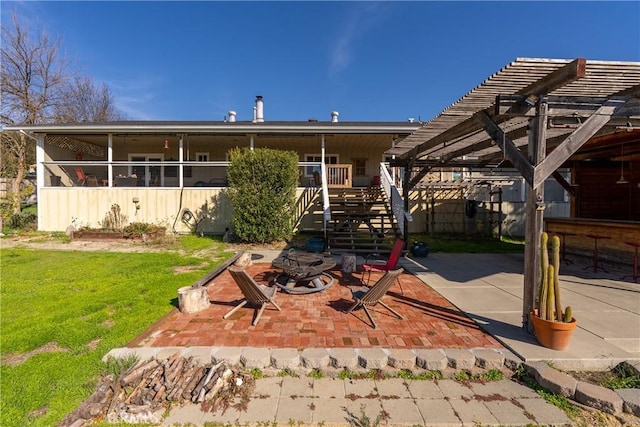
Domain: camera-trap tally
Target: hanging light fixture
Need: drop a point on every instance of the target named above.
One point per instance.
(166, 144)
(622, 180)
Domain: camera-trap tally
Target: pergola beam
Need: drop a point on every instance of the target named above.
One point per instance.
(572, 71)
(574, 141)
(508, 148)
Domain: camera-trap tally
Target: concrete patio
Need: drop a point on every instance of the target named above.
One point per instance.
(488, 288)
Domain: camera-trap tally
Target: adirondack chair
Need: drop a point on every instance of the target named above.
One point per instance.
(380, 265)
(88, 180)
(254, 294)
(365, 296)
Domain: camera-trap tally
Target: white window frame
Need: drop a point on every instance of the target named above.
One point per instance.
(316, 157)
(147, 177)
(202, 156)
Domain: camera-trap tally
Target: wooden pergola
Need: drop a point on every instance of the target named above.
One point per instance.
(534, 114)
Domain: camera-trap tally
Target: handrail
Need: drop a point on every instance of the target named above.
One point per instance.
(397, 203)
(326, 207)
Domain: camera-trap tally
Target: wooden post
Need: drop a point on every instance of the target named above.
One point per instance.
(534, 211)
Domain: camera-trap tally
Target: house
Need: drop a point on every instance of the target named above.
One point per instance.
(174, 173)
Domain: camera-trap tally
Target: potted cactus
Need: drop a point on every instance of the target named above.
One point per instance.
(552, 325)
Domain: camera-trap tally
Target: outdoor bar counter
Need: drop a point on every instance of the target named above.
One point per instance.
(615, 238)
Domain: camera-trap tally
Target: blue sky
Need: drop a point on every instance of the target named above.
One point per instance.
(371, 61)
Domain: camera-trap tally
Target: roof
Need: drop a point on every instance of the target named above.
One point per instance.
(575, 89)
(240, 127)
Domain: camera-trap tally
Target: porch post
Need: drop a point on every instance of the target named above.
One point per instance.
(534, 212)
(40, 172)
(180, 165)
(251, 142)
(110, 159)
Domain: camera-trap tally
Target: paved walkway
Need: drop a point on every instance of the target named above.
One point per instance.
(290, 401)
(488, 289)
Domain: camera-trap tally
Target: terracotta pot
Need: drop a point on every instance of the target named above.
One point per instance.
(553, 335)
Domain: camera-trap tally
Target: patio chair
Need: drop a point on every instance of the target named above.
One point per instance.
(255, 294)
(364, 296)
(382, 266)
(88, 180)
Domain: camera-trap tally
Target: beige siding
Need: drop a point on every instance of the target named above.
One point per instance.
(60, 207)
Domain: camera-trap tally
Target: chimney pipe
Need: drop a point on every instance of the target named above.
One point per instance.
(334, 116)
(232, 116)
(259, 109)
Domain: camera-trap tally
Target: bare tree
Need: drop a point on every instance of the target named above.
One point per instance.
(31, 83)
(36, 87)
(84, 101)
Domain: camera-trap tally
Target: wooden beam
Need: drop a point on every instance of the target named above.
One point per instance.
(487, 143)
(534, 210)
(574, 141)
(418, 177)
(574, 70)
(508, 148)
(563, 182)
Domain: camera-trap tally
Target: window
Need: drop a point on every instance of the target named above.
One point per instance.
(359, 167)
(202, 157)
(331, 159)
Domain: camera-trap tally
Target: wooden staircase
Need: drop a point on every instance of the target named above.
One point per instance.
(361, 221)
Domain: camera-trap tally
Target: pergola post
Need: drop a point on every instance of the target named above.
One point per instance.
(534, 212)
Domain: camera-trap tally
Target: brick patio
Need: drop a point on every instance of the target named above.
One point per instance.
(319, 320)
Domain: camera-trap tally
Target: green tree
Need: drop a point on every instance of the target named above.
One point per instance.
(262, 185)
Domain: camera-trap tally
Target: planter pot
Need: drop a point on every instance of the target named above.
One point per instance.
(97, 235)
(419, 249)
(553, 335)
(314, 245)
(116, 235)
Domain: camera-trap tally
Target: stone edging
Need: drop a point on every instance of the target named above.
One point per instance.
(600, 398)
(320, 358)
(361, 360)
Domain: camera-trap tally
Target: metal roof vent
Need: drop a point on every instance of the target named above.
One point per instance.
(232, 116)
(410, 119)
(334, 116)
(258, 112)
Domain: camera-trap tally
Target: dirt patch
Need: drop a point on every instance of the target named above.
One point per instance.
(20, 358)
(189, 268)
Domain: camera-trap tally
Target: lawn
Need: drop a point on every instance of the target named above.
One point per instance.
(81, 304)
(468, 244)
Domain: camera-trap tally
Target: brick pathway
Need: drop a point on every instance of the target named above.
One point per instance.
(319, 321)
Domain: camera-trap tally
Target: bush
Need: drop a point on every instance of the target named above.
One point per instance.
(23, 221)
(137, 229)
(262, 184)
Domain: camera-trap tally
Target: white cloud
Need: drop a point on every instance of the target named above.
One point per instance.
(362, 18)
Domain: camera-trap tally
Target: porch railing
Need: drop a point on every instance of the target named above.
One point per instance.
(338, 176)
(392, 192)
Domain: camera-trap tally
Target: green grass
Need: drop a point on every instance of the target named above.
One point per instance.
(87, 303)
(468, 244)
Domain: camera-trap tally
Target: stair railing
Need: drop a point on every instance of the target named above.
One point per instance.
(326, 207)
(395, 198)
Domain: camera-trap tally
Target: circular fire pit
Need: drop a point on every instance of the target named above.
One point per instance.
(303, 273)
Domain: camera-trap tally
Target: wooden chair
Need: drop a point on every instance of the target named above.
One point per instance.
(364, 296)
(382, 266)
(255, 294)
(88, 180)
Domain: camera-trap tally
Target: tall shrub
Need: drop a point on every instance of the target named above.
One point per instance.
(262, 184)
